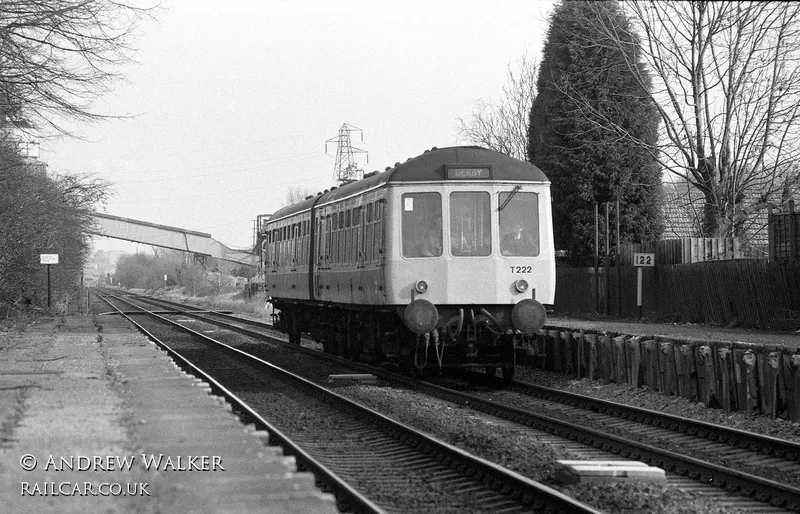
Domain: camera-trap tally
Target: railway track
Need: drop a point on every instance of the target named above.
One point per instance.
(736, 461)
(371, 461)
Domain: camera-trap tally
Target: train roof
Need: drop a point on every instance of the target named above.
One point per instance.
(431, 166)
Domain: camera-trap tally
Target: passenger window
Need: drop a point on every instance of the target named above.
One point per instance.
(519, 224)
(421, 221)
(470, 224)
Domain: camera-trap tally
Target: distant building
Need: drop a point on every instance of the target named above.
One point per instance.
(21, 136)
(683, 215)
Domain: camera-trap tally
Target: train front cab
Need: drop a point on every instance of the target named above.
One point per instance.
(471, 265)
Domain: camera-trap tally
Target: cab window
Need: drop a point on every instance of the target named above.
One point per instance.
(519, 224)
(470, 224)
(421, 221)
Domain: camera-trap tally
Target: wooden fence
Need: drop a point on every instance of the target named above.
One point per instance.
(783, 227)
(739, 376)
(685, 250)
(735, 292)
(743, 292)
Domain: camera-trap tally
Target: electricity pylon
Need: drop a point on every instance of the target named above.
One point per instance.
(346, 170)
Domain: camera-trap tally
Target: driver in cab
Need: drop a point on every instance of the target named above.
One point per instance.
(518, 242)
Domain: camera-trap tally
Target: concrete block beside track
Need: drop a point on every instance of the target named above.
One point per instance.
(115, 409)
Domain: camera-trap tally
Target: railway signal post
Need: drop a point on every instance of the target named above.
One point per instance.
(641, 260)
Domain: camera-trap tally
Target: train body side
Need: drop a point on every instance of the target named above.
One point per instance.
(362, 263)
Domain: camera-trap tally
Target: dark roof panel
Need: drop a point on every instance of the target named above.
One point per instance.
(431, 165)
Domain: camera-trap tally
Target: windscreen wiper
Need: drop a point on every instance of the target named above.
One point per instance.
(510, 196)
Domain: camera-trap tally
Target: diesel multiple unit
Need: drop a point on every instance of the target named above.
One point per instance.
(442, 261)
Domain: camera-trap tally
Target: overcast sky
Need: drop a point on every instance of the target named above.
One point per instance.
(233, 101)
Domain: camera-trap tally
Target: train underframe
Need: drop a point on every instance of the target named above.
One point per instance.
(467, 337)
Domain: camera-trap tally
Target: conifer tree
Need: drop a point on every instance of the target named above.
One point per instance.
(587, 105)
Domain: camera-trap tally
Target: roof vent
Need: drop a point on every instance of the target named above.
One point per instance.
(397, 164)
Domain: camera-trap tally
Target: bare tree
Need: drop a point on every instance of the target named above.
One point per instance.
(296, 194)
(503, 126)
(58, 56)
(726, 84)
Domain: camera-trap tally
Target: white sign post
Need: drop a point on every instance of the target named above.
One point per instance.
(48, 258)
(641, 260)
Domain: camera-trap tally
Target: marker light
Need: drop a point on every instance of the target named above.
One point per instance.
(421, 286)
(521, 285)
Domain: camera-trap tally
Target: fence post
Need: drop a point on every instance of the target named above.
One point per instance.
(651, 364)
(749, 359)
(558, 352)
(591, 341)
(667, 368)
(621, 364)
(770, 233)
(792, 385)
(687, 370)
(606, 359)
(634, 360)
(583, 357)
(707, 374)
(619, 267)
(723, 353)
(792, 233)
(608, 265)
(569, 353)
(597, 257)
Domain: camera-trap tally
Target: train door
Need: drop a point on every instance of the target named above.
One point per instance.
(275, 249)
(265, 252)
(373, 271)
(324, 254)
(316, 265)
(295, 242)
(360, 237)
